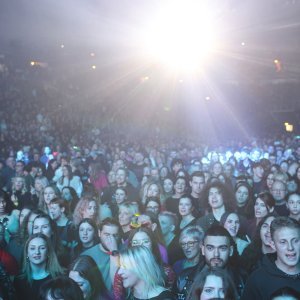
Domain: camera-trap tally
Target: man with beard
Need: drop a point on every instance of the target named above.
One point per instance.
(218, 251)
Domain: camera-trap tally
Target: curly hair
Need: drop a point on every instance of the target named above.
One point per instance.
(81, 207)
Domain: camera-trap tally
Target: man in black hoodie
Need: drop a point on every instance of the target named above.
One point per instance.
(281, 269)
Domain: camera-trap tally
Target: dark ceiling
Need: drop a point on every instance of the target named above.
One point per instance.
(270, 29)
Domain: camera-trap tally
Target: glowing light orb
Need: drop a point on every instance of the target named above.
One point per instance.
(182, 35)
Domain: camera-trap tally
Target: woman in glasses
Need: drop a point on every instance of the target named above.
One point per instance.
(143, 236)
(190, 241)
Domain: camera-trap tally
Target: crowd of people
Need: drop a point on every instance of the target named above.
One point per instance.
(89, 213)
(132, 221)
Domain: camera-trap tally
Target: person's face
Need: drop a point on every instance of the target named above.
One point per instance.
(293, 204)
(241, 196)
(228, 171)
(10, 162)
(185, 207)
(121, 177)
(284, 166)
(216, 250)
(24, 212)
(168, 185)
(37, 251)
(19, 167)
(197, 184)
(265, 234)
(54, 165)
(298, 173)
(129, 277)
(270, 180)
(232, 224)
(42, 225)
(180, 186)
(153, 207)
(278, 190)
(215, 198)
(91, 211)
(124, 216)
(83, 283)
(213, 288)
(111, 177)
(108, 233)
(258, 172)
(166, 224)
(19, 183)
(154, 174)
(190, 247)
(153, 191)
(260, 208)
(217, 169)
(120, 164)
(287, 244)
(49, 194)
(120, 196)
(66, 194)
(291, 186)
(38, 186)
(177, 167)
(163, 172)
(86, 233)
(47, 150)
(139, 157)
(141, 239)
(55, 211)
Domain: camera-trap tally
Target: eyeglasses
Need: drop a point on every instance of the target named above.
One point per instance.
(278, 191)
(144, 242)
(189, 244)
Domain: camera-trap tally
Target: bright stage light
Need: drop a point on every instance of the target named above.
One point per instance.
(182, 35)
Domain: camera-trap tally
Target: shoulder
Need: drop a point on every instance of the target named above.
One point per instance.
(165, 295)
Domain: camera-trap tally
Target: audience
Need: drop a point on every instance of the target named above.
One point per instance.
(150, 218)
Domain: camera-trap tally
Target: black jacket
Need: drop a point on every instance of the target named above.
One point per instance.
(264, 281)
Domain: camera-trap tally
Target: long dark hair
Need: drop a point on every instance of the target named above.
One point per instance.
(230, 292)
(87, 269)
(253, 251)
(9, 204)
(228, 197)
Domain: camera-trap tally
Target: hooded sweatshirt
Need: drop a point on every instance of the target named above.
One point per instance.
(266, 280)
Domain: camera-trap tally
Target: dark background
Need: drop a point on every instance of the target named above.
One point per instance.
(248, 94)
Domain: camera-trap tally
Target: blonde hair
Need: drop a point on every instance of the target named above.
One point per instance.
(24, 189)
(141, 261)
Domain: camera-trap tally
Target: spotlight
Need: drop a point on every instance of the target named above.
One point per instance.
(182, 36)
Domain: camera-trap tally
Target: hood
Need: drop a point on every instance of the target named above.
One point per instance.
(268, 263)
